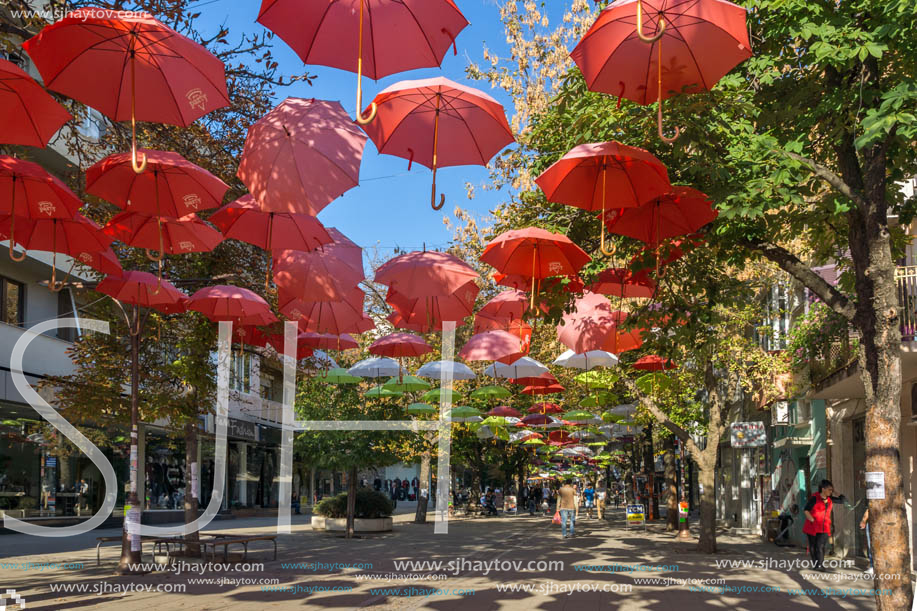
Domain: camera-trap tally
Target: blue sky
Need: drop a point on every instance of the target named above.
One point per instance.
(391, 207)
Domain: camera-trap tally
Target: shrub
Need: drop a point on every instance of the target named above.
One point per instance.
(369, 504)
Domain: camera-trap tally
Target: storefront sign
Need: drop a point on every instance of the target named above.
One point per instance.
(747, 434)
(51, 461)
(821, 459)
(636, 515)
(242, 430)
(875, 485)
(683, 512)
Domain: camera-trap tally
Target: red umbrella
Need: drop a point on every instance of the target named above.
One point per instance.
(594, 325)
(328, 341)
(504, 411)
(28, 191)
(400, 322)
(325, 274)
(545, 379)
(414, 115)
(29, 115)
(232, 303)
(493, 346)
(104, 261)
(399, 36)
(693, 43)
(623, 283)
(553, 389)
(337, 317)
(536, 419)
(680, 212)
(172, 188)
(169, 236)
(144, 290)
(505, 307)
(604, 176)
(545, 408)
(397, 345)
(129, 66)
(653, 362)
(301, 155)
(426, 274)
(430, 312)
(245, 220)
(534, 253)
(570, 284)
(65, 236)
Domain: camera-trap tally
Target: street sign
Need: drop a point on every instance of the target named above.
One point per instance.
(636, 515)
(747, 434)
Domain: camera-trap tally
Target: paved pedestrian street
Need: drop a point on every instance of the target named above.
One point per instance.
(507, 562)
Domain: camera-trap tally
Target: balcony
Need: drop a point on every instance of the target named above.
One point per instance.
(906, 278)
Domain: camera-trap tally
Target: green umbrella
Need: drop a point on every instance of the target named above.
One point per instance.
(338, 375)
(462, 412)
(380, 392)
(578, 415)
(494, 421)
(597, 444)
(598, 399)
(490, 392)
(612, 417)
(652, 382)
(406, 384)
(597, 378)
(421, 408)
(533, 442)
(435, 395)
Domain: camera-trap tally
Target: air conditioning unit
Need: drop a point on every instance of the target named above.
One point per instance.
(780, 413)
(803, 411)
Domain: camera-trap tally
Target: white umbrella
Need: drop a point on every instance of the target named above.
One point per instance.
(524, 367)
(555, 423)
(468, 419)
(628, 409)
(376, 367)
(586, 360)
(576, 451)
(484, 432)
(434, 370)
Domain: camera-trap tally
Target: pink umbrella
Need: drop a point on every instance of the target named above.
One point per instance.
(493, 346)
(594, 325)
(397, 345)
(301, 156)
(144, 290)
(29, 115)
(325, 274)
(505, 307)
(337, 317)
(504, 411)
(623, 283)
(104, 261)
(425, 274)
(545, 408)
(232, 303)
(430, 312)
(328, 341)
(177, 236)
(414, 115)
(247, 221)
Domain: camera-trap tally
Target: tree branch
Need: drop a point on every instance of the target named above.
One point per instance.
(791, 264)
(829, 177)
(661, 416)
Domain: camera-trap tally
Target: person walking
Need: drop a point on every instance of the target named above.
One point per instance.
(589, 498)
(601, 492)
(566, 505)
(864, 523)
(818, 522)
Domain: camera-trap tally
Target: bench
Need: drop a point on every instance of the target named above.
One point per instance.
(103, 540)
(227, 541)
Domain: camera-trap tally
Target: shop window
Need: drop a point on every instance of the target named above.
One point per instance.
(271, 386)
(12, 302)
(240, 372)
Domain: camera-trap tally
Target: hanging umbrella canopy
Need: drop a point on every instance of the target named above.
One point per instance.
(413, 116)
(328, 341)
(436, 395)
(335, 317)
(428, 312)
(506, 307)
(504, 411)
(627, 410)
(623, 284)
(680, 212)
(492, 346)
(302, 155)
(65, 236)
(247, 221)
(426, 274)
(434, 370)
(328, 273)
(545, 408)
(578, 416)
(179, 236)
(536, 420)
(232, 303)
(422, 408)
(104, 261)
(463, 413)
(376, 367)
(594, 325)
(534, 253)
(380, 392)
(27, 190)
(400, 345)
(485, 393)
(552, 389)
(543, 379)
(598, 399)
(653, 362)
(407, 384)
(30, 116)
(586, 360)
(144, 290)
(520, 368)
(338, 375)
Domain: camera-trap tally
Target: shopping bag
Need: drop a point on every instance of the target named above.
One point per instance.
(556, 519)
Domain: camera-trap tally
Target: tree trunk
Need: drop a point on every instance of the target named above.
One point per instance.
(649, 466)
(707, 477)
(671, 487)
(351, 499)
(312, 486)
(192, 546)
(130, 543)
(420, 515)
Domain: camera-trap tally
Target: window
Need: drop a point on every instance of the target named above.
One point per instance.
(65, 310)
(12, 306)
(240, 372)
(269, 387)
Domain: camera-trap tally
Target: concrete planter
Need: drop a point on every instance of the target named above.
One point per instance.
(360, 525)
(318, 522)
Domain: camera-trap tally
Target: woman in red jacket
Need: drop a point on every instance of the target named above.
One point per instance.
(818, 522)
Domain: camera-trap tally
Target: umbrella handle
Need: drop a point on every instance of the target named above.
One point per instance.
(662, 136)
(410, 159)
(606, 252)
(442, 196)
(660, 26)
(452, 38)
(609, 252)
(137, 167)
(158, 257)
(372, 109)
(53, 285)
